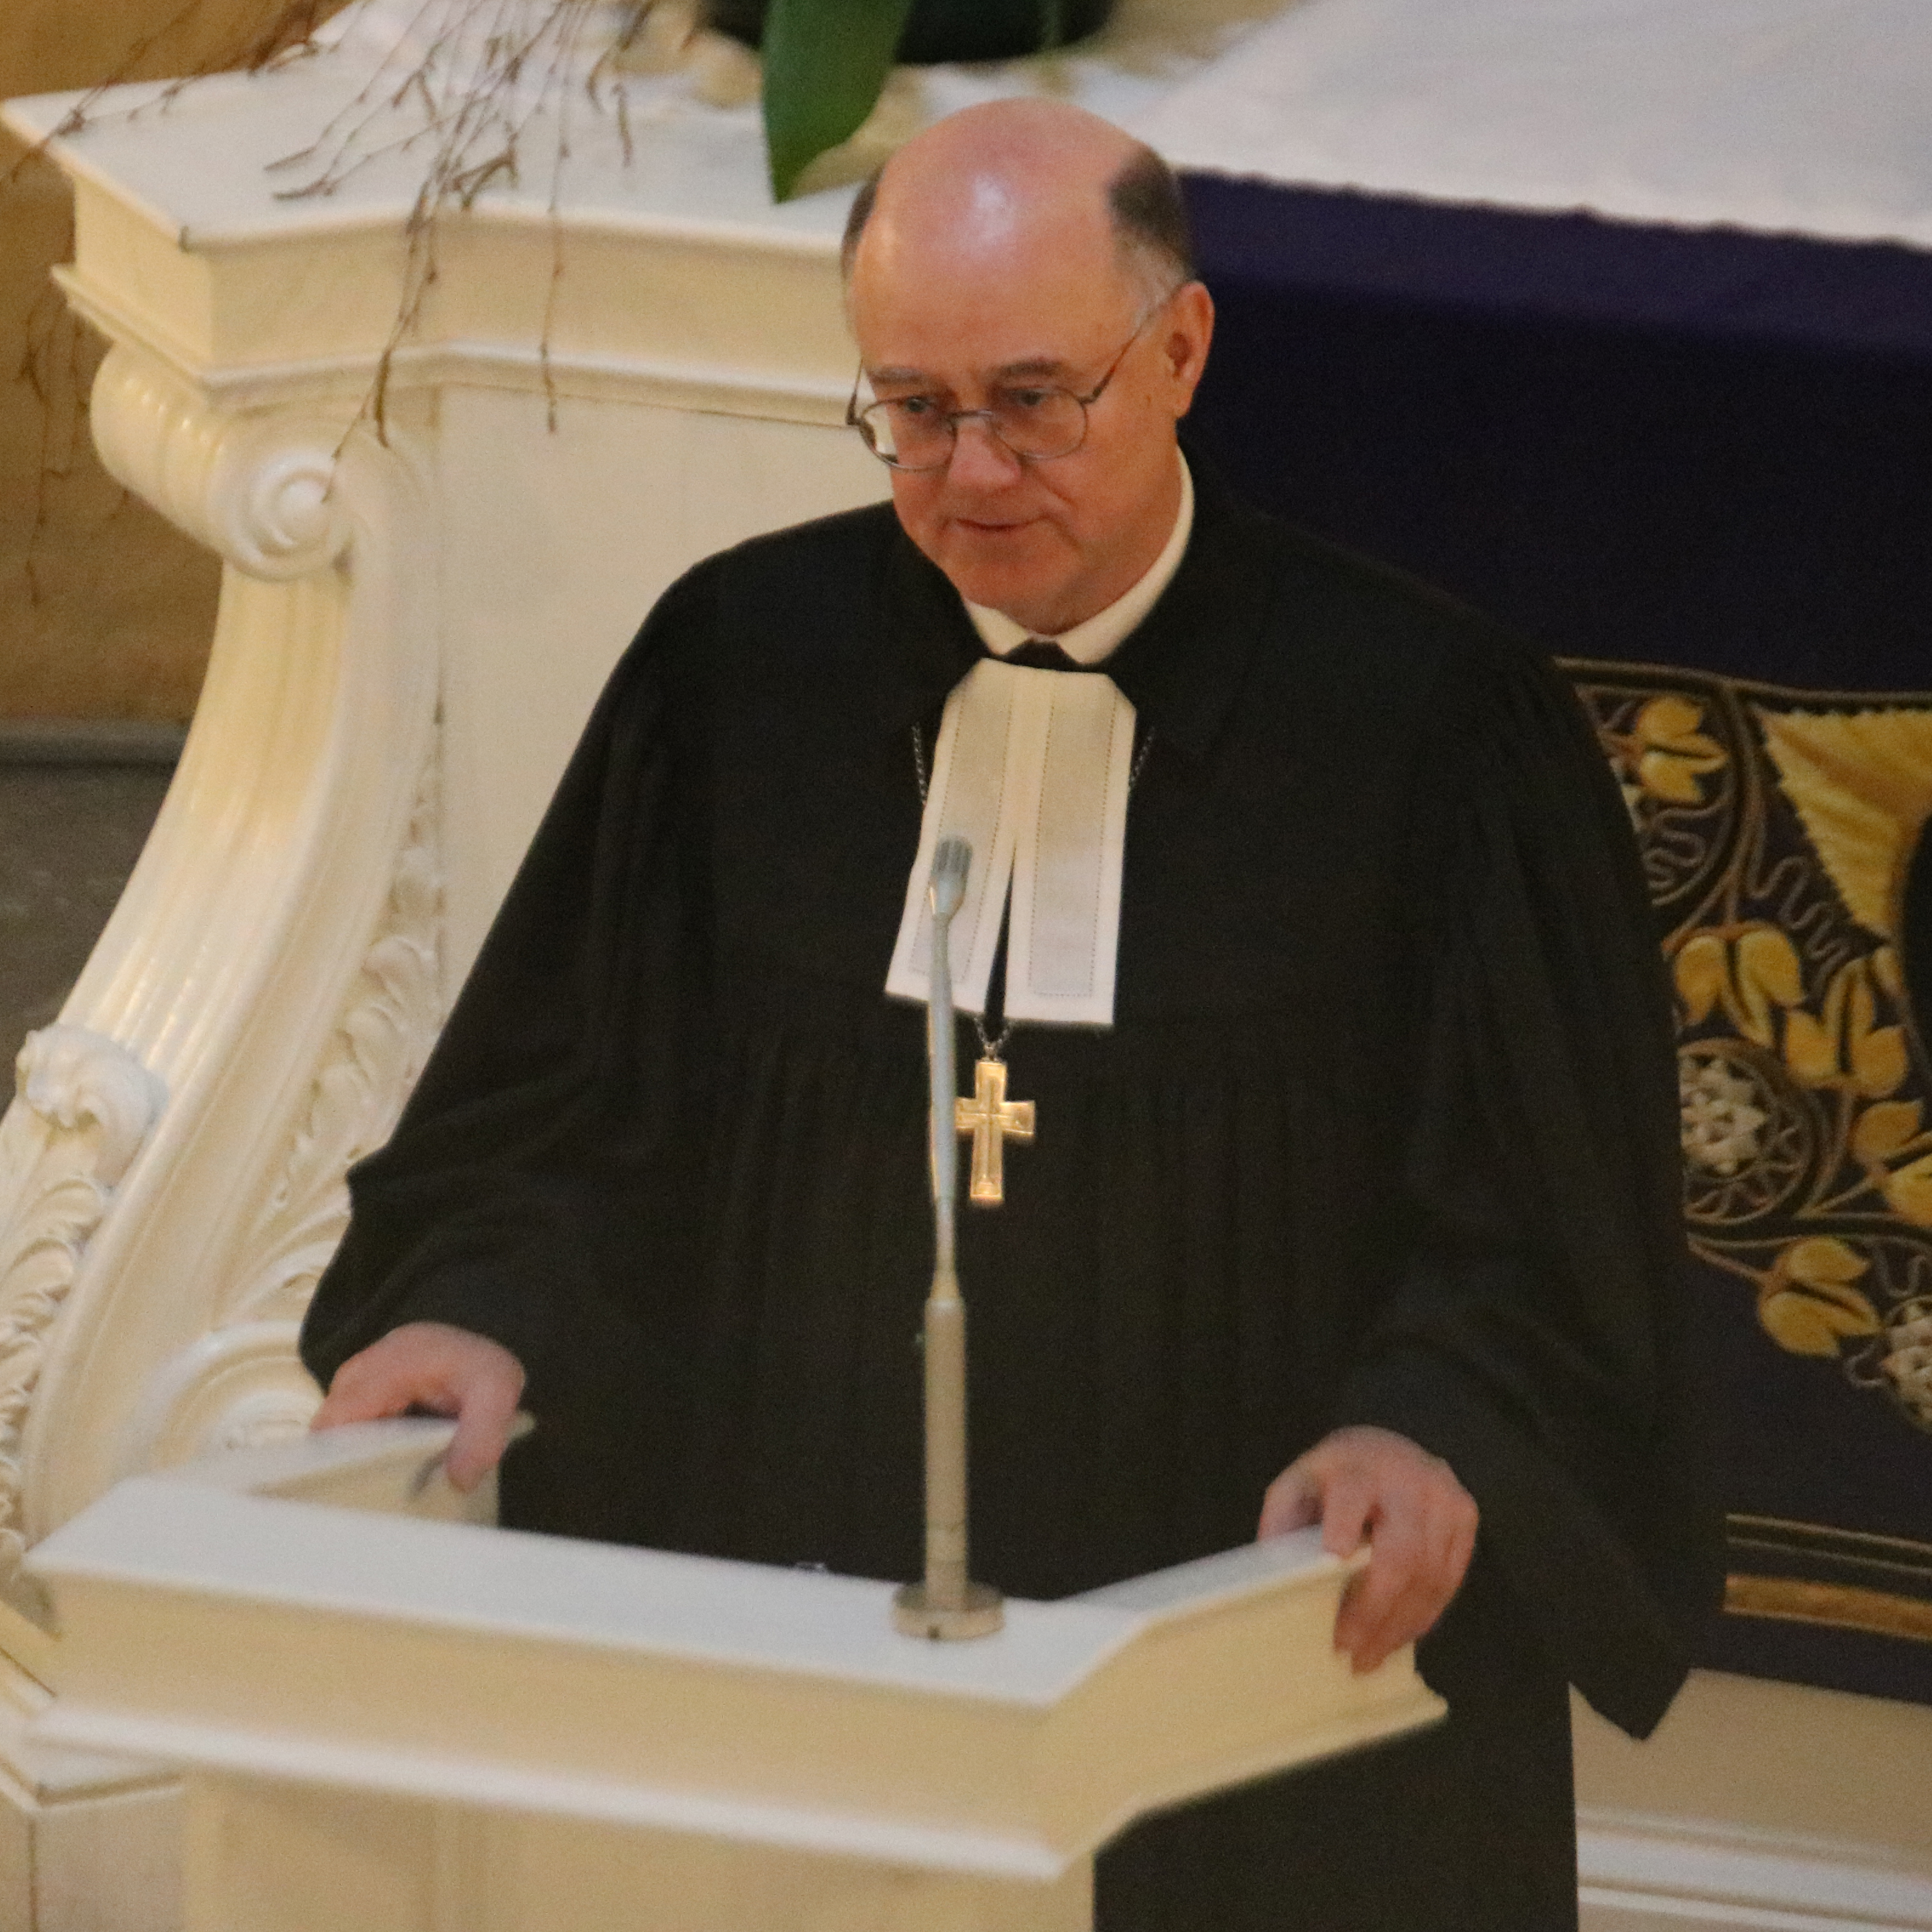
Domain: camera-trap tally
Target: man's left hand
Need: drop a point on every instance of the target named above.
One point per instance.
(1366, 1483)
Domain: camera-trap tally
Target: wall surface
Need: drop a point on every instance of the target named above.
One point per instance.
(105, 610)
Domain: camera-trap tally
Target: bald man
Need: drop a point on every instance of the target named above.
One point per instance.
(1305, 917)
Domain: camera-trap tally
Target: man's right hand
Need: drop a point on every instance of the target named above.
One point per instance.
(447, 1371)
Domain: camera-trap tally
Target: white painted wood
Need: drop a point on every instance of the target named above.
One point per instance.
(270, 1856)
(204, 1623)
(135, 1889)
(1771, 1806)
(89, 1842)
(567, 538)
(763, 1739)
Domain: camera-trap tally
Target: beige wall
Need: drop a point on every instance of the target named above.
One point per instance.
(105, 611)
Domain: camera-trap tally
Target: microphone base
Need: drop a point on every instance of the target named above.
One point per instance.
(914, 1614)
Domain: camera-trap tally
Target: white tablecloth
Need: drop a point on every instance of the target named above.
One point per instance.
(1809, 116)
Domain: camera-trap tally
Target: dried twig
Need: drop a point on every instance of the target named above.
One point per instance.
(486, 70)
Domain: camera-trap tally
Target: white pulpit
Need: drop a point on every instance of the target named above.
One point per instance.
(393, 1724)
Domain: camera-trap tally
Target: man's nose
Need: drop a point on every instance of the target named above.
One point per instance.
(980, 460)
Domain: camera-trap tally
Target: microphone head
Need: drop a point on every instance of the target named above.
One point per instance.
(951, 862)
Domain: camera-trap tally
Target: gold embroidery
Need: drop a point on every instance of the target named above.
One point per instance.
(1862, 785)
(1776, 829)
(1847, 1606)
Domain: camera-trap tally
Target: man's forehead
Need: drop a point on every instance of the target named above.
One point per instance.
(997, 317)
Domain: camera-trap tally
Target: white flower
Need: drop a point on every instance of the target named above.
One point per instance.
(1721, 1125)
(1908, 1363)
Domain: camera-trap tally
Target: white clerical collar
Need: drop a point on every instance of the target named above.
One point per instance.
(1102, 634)
(1032, 770)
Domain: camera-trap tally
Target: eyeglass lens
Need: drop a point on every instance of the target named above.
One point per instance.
(914, 433)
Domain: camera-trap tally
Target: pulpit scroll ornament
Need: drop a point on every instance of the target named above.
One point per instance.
(947, 1604)
(287, 858)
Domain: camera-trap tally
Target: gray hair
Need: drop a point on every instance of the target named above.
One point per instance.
(1144, 203)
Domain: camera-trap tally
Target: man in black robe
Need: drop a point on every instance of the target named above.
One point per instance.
(1364, 1209)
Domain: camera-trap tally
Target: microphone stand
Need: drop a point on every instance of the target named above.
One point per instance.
(947, 1605)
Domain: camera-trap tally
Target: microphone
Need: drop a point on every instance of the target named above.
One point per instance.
(947, 1605)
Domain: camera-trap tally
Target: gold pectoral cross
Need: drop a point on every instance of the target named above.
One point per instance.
(992, 1120)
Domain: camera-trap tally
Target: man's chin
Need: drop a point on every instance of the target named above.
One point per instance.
(997, 574)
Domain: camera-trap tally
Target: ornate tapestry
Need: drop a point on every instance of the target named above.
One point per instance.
(1784, 835)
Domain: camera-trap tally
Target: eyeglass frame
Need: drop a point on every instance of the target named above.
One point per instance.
(855, 417)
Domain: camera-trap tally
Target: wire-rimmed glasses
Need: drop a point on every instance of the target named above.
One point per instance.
(1037, 422)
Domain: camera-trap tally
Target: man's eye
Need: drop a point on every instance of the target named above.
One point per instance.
(912, 409)
(1025, 402)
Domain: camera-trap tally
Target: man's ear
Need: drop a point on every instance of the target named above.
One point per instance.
(1190, 329)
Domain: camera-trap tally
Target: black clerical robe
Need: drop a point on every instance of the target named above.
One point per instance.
(1385, 1132)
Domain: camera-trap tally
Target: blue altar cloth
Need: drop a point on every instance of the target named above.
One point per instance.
(1700, 460)
(1697, 448)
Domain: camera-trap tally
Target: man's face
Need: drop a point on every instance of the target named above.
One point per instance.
(1038, 300)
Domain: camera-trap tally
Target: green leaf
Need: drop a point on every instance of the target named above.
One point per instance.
(825, 64)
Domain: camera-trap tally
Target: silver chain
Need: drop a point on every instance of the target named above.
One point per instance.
(992, 1049)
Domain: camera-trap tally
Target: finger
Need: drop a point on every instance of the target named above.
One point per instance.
(482, 1429)
(1432, 1558)
(363, 1392)
(1449, 1524)
(1348, 1509)
(1293, 1499)
(1375, 1594)
(1413, 1612)
(1431, 1588)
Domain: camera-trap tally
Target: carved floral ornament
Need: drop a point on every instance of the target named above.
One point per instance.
(1777, 833)
(242, 1385)
(85, 1108)
(389, 1022)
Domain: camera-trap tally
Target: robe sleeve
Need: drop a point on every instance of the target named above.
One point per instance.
(542, 1155)
(1539, 1340)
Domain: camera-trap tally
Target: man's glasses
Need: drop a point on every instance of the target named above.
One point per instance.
(1036, 421)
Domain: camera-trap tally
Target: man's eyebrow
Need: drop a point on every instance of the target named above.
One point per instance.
(1033, 365)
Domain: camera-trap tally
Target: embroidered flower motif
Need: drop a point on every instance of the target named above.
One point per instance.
(1666, 754)
(1723, 1126)
(1908, 1361)
(1752, 973)
(1844, 1044)
(1890, 1130)
(1808, 1303)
